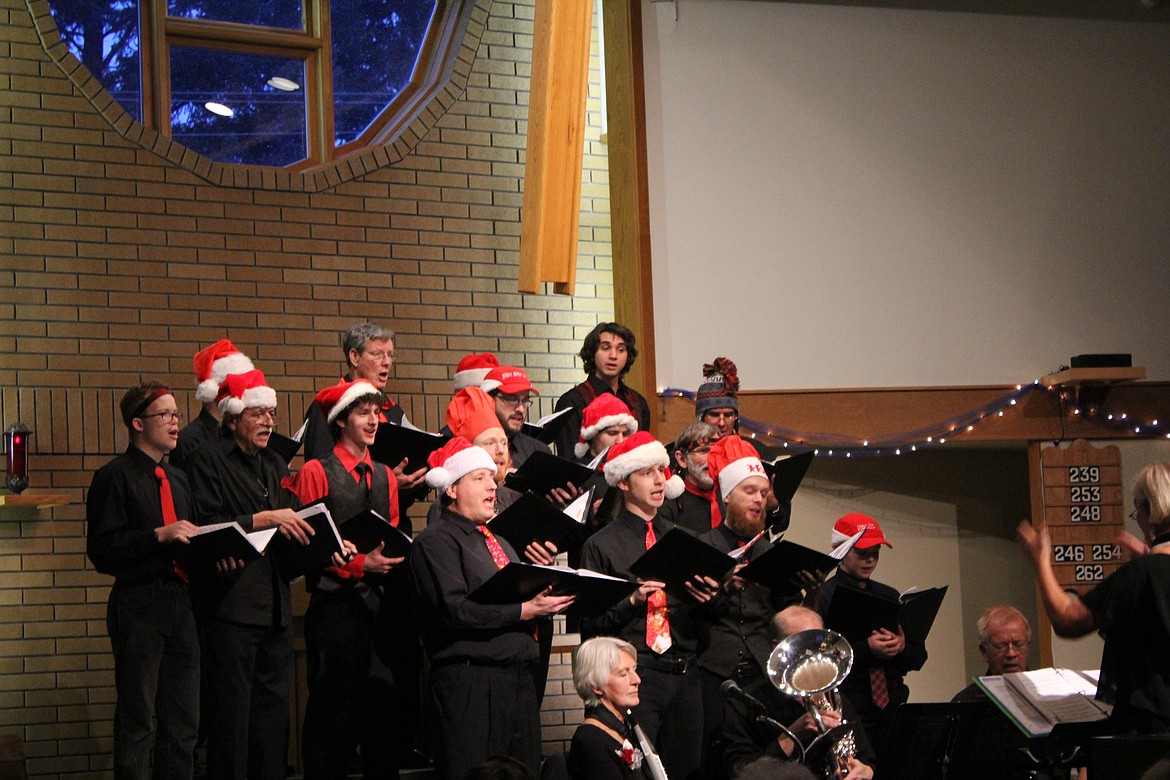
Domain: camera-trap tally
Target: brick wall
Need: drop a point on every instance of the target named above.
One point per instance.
(120, 258)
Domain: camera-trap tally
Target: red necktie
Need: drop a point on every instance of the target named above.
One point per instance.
(657, 623)
(168, 508)
(877, 685)
(493, 545)
(708, 496)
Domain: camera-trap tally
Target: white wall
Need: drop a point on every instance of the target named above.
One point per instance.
(858, 197)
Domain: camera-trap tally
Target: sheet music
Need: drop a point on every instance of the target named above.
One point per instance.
(840, 551)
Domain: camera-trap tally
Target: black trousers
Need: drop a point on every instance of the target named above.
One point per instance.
(352, 693)
(670, 711)
(156, 674)
(249, 671)
(482, 712)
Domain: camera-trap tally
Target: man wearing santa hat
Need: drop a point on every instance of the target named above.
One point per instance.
(212, 365)
(734, 644)
(347, 621)
(482, 655)
(605, 422)
(247, 613)
(876, 683)
(661, 626)
(369, 355)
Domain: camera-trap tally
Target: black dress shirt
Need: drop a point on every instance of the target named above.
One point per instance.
(735, 625)
(611, 551)
(448, 561)
(231, 485)
(194, 435)
(857, 684)
(521, 445)
(122, 510)
(571, 432)
(689, 511)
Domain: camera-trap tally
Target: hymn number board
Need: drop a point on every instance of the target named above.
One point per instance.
(1083, 510)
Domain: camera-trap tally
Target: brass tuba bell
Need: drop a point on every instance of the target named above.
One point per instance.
(810, 666)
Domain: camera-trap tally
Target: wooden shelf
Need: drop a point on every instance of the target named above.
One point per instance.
(25, 506)
(1095, 376)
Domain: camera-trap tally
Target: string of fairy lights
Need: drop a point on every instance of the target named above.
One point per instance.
(935, 434)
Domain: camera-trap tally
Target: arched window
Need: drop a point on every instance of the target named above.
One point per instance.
(282, 83)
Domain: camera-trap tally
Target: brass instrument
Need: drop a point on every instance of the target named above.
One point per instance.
(810, 666)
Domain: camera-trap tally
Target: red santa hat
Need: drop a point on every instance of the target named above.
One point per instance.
(606, 411)
(471, 412)
(473, 369)
(731, 461)
(334, 400)
(509, 380)
(213, 364)
(636, 453)
(453, 460)
(243, 391)
(850, 524)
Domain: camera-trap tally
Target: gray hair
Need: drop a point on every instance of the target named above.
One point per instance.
(356, 336)
(692, 433)
(595, 661)
(999, 615)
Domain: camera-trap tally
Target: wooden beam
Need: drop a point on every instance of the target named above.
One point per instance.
(629, 188)
(877, 412)
(556, 138)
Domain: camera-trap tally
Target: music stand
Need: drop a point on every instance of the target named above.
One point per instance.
(927, 741)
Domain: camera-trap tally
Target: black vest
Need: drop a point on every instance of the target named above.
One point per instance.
(345, 500)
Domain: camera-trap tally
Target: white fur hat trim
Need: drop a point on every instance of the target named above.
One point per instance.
(461, 463)
(589, 432)
(355, 391)
(649, 454)
(472, 377)
(235, 363)
(263, 397)
(737, 471)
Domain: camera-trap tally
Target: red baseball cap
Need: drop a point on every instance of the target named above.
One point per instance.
(508, 379)
(853, 522)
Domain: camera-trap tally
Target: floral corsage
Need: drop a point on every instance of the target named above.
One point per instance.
(630, 755)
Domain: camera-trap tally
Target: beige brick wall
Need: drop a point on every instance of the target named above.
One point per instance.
(120, 258)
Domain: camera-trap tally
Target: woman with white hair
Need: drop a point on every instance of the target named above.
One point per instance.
(1131, 609)
(606, 678)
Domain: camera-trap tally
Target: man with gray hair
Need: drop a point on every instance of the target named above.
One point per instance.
(1004, 640)
(369, 354)
(697, 509)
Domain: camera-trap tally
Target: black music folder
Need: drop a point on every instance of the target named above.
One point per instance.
(519, 582)
(366, 530)
(856, 614)
(212, 543)
(400, 441)
(544, 471)
(780, 566)
(532, 518)
(284, 446)
(547, 428)
(678, 557)
(786, 474)
(298, 559)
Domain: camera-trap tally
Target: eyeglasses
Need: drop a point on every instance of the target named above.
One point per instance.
(720, 415)
(1017, 645)
(260, 414)
(381, 355)
(515, 400)
(1137, 507)
(167, 417)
